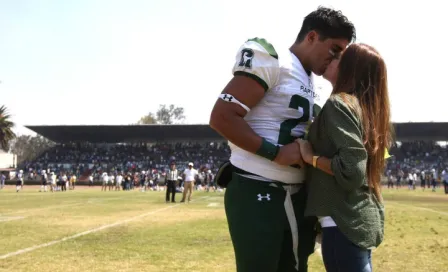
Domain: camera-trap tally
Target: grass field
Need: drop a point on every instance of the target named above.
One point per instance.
(90, 230)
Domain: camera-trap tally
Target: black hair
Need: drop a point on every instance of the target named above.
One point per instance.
(328, 23)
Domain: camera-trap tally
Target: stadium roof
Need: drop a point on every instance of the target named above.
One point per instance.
(421, 131)
(125, 134)
(157, 133)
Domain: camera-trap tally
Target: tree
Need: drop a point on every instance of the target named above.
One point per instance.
(165, 115)
(6, 125)
(27, 147)
(170, 115)
(147, 119)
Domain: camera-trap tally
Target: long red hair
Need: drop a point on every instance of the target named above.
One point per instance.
(362, 76)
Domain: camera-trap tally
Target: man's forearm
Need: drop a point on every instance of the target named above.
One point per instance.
(235, 129)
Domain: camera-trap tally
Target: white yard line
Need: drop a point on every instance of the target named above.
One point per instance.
(417, 208)
(10, 218)
(29, 249)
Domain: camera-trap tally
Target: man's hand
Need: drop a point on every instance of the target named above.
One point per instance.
(290, 155)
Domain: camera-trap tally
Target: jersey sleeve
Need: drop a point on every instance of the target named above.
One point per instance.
(258, 60)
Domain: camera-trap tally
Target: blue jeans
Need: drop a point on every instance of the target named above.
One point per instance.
(341, 255)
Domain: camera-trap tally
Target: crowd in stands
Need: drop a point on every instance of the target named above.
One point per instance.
(85, 159)
(413, 164)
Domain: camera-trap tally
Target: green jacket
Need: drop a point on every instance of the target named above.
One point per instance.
(337, 134)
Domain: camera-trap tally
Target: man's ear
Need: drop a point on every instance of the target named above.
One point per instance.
(312, 36)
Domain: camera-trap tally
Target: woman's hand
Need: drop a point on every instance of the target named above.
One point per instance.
(306, 150)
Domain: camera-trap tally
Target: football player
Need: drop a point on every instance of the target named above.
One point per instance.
(53, 183)
(265, 107)
(119, 180)
(111, 181)
(105, 179)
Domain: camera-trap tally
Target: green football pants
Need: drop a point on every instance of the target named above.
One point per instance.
(267, 225)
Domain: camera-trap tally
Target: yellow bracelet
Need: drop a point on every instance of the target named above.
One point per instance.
(315, 158)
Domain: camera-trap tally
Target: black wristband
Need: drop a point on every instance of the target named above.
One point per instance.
(268, 150)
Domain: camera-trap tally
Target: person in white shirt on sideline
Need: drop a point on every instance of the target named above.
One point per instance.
(189, 177)
(105, 181)
(20, 181)
(43, 186)
(53, 183)
(119, 179)
(90, 180)
(64, 182)
(410, 180)
(111, 181)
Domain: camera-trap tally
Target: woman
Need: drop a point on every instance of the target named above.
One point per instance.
(346, 154)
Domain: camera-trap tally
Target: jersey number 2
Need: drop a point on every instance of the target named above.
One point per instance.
(287, 126)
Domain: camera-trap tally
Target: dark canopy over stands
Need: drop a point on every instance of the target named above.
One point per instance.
(126, 134)
(421, 131)
(157, 133)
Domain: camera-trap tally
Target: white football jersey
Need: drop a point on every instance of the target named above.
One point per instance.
(283, 114)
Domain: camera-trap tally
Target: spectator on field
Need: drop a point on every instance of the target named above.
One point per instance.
(189, 176)
(72, 182)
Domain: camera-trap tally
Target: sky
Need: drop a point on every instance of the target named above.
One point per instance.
(93, 62)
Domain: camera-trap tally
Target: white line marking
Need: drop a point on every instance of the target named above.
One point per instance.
(418, 208)
(10, 218)
(29, 249)
(213, 204)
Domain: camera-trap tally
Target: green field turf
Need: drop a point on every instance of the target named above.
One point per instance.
(90, 230)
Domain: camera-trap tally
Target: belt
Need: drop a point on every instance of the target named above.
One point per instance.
(289, 208)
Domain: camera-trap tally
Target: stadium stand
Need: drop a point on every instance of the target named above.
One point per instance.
(92, 150)
(86, 150)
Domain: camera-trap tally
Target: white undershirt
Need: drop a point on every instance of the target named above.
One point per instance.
(326, 222)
